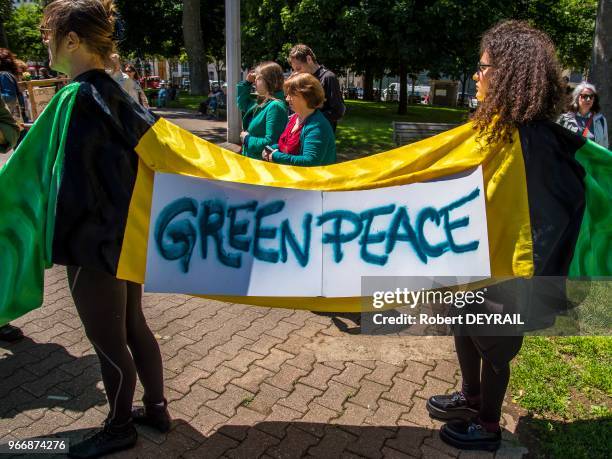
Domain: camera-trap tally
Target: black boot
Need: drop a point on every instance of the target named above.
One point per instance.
(153, 415)
(470, 435)
(108, 440)
(10, 333)
(453, 406)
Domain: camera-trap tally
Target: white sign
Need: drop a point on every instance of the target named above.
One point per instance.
(221, 238)
(441, 92)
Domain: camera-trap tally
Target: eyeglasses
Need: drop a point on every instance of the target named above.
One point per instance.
(45, 33)
(587, 96)
(482, 67)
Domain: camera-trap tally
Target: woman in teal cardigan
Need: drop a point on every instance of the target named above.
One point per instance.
(308, 139)
(262, 122)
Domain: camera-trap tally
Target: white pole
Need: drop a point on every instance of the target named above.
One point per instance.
(232, 57)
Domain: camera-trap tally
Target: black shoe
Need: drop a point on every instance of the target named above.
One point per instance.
(10, 333)
(108, 440)
(153, 416)
(453, 406)
(470, 435)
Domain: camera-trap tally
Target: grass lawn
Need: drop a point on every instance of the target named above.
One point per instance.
(186, 100)
(565, 384)
(366, 127)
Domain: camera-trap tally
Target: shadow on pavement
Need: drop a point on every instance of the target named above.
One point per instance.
(276, 439)
(45, 375)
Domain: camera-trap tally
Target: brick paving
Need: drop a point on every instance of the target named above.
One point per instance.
(242, 382)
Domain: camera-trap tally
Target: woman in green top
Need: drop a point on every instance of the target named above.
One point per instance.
(308, 139)
(262, 121)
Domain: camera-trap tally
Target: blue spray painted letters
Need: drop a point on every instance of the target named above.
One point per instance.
(239, 229)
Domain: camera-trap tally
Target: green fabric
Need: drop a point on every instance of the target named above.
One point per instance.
(317, 144)
(593, 251)
(264, 123)
(29, 182)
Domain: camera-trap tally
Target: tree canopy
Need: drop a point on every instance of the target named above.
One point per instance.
(23, 35)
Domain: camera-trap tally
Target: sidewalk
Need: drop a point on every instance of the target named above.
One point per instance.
(241, 381)
(211, 130)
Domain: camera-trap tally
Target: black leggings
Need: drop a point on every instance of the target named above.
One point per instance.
(491, 381)
(111, 312)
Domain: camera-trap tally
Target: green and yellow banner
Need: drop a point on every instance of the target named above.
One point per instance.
(79, 191)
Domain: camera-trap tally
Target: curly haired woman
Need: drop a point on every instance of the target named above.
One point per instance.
(519, 87)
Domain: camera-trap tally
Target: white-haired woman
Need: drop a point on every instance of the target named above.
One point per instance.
(584, 116)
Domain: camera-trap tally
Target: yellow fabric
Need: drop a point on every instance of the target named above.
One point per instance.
(168, 148)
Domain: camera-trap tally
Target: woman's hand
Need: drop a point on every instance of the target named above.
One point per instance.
(243, 135)
(267, 155)
(251, 77)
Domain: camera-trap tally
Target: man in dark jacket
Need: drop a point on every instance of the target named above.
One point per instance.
(9, 133)
(303, 60)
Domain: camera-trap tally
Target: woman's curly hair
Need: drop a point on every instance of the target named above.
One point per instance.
(525, 82)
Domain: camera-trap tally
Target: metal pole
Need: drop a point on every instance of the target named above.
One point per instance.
(232, 58)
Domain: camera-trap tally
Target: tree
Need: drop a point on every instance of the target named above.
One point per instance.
(194, 45)
(457, 45)
(23, 34)
(150, 27)
(264, 30)
(601, 72)
(570, 24)
(6, 7)
(213, 32)
(364, 41)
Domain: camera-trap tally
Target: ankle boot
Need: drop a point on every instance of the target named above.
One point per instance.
(153, 415)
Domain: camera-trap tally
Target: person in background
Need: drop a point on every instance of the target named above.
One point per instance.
(308, 139)
(263, 120)
(9, 134)
(9, 89)
(303, 60)
(162, 96)
(121, 78)
(133, 88)
(584, 116)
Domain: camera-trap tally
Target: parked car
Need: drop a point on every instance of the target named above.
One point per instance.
(150, 82)
(469, 101)
(420, 93)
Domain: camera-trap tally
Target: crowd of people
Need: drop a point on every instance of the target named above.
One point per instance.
(293, 122)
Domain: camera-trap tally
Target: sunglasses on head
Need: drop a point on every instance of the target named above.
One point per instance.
(587, 96)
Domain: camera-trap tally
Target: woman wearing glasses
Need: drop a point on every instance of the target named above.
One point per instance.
(519, 87)
(584, 117)
(134, 89)
(99, 171)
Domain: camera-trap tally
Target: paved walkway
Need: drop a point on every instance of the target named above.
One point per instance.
(242, 382)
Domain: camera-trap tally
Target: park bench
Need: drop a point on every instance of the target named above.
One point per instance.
(407, 132)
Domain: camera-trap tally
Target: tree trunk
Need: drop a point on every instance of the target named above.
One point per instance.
(194, 45)
(601, 66)
(464, 80)
(3, 38)
(402, 109)
(368, 84)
